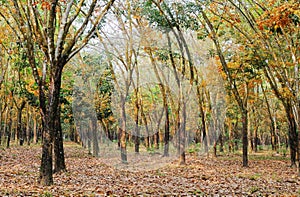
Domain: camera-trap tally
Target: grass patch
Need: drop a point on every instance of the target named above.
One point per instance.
(198, 193)
(267, 156)
(159, 173)
(253, 189)
(258, 156)
(252, 177)
(46, 194)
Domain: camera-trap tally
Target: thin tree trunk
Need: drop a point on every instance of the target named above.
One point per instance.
(167, 128)
(182, 129)
(1, 118)
(28, 133)
(147, 138)
(245, 137)
(35, 137)
(250, 132)
(203, 121)
(273, 128)
(95, 138)
(156, 139)
(215, 149)
(123, 132)
(136, 114)
(20, 131)
(221, 142)
(2, 126)
(255, 139)
(8, 125)
(231, 137)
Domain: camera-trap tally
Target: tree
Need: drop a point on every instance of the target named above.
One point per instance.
(52, 34)
(122, 56)
(270, 32)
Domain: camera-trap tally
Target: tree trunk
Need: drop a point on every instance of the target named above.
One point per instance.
(167, 128)
(177, 129)
(273, 122)
(95, 137)
(255, 139)
(46, 172)
(28, 133)
(50, 126)
(202, 116)
(221, 142)
(137, 130)
(230, 136)
(59, 157)
(157, 130)
(292, 134)
(245, 137)
(89, 139)
(147, 138)
(182, 129)
(8, 127)
(35, 135)
(250, 133)
(215, 149)
(1, 119)
(156, 139)
(20, 131)
(123, 132)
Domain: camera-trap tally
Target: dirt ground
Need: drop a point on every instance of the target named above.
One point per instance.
(201, 176)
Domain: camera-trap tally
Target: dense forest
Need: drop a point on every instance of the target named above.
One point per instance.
(142, 84)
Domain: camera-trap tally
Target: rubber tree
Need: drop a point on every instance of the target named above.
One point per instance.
(122, 53)
(52, 33)
(271, 31)
(241, 99)
(172, 19)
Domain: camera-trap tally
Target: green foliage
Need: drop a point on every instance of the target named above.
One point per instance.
(172, 14)
(254, 189)
(31, 98)
(104, 90)
(46, 194)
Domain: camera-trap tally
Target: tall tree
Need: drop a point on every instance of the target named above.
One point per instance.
(52, 32)
(270, 32)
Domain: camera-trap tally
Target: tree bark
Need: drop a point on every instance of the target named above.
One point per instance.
(95, 137)
(7, 130)
(20, 131)
(28, 131)
(35, 134)
(137, 130)
(221, 141)
(59, 157)
(147, 137)
(46, 171)
(255, 139)
(245, 137)
(51, 127)
(167, 128)
(123, 132)
(292, 134)
(182, 129)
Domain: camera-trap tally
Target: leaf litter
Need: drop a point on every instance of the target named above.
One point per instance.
(90, 176)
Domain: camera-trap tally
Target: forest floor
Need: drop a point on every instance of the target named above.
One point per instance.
(201, 176)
